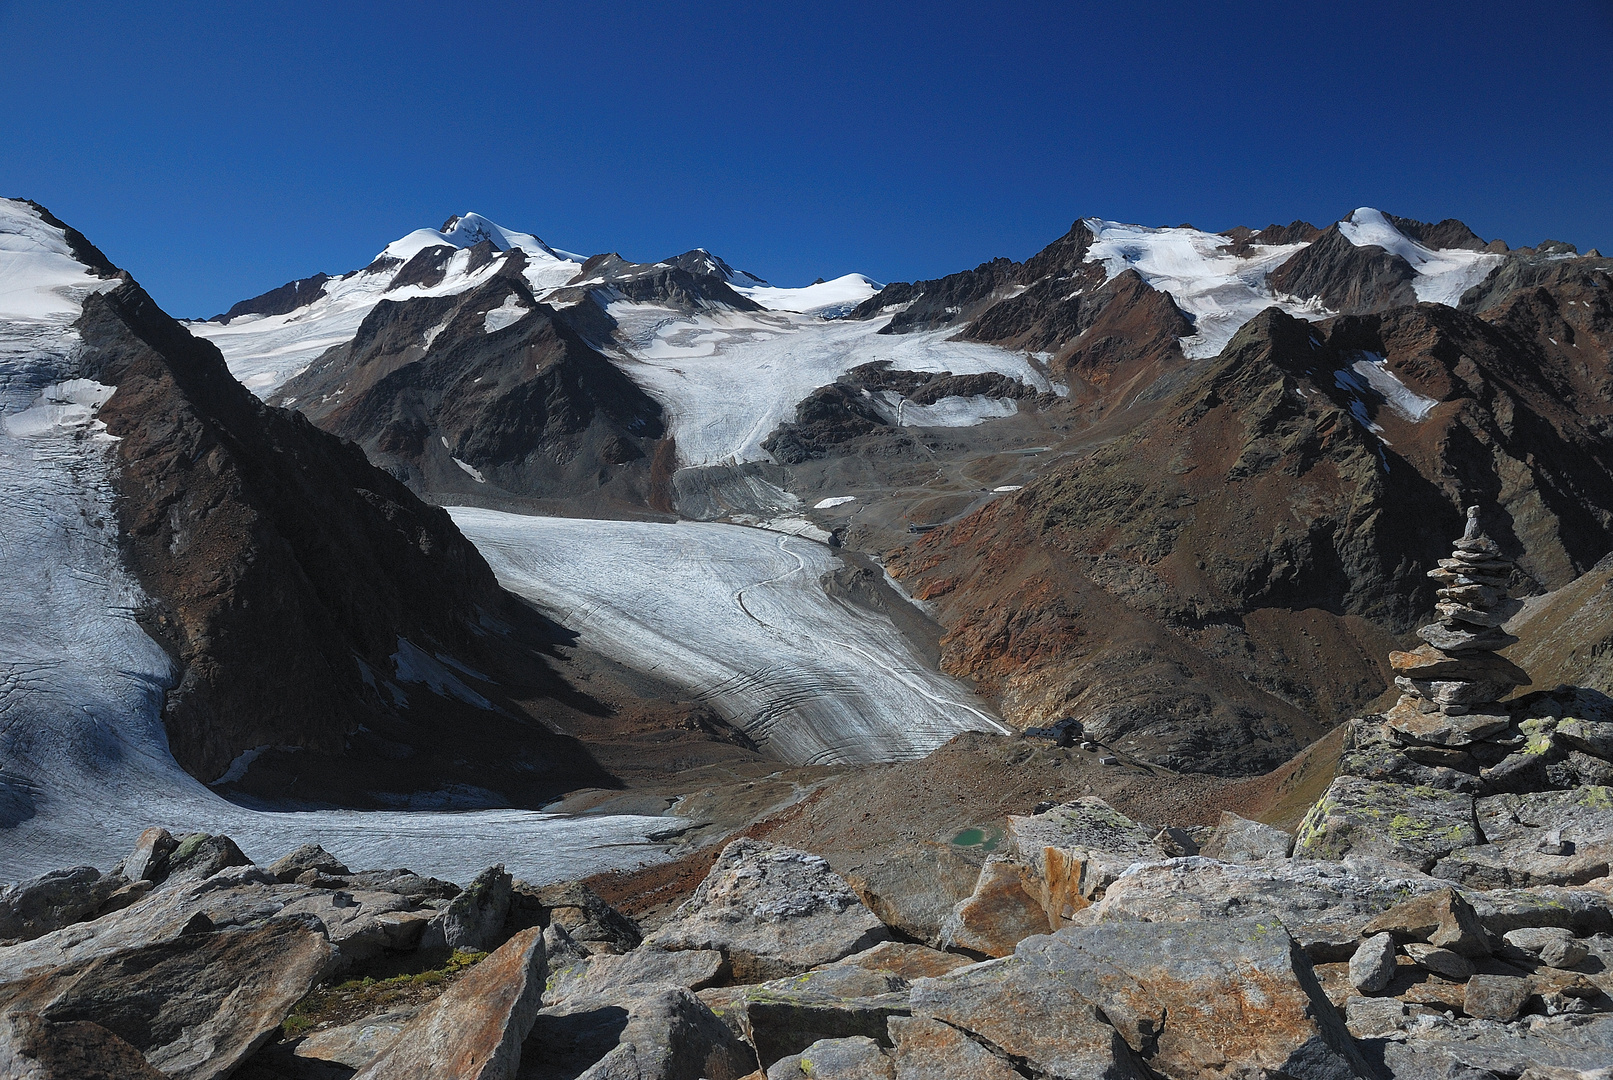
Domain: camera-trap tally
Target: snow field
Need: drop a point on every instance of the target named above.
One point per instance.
(827, 299)
(1443, 275)
(739, 616)
(1220, 290)
(728, 379)
(264, 351)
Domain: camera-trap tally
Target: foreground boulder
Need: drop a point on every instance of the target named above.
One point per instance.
(1237, 839)
(854, 1058)
(473, 1031)
(1324, 905)
(475, 918)
(33, 1048)
(1417, 825)
(31, 909)
(1186, 1000)
(772, 911)
(195, 1006)
(650, 1033)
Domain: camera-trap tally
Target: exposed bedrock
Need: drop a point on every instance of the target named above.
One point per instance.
(486, 395)
(290, 579)
(1237, 566)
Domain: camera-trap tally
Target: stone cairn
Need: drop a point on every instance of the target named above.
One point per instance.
(1452, 686)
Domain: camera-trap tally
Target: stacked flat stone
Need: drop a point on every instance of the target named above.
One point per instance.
(1451, 687)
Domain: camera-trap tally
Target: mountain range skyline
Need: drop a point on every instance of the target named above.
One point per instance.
(220, 151)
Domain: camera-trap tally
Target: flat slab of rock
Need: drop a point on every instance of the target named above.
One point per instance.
(1191, 1000)
(1444, 919)
(1325, 905)
(1554, 946)
(355, 1045)
(474, 1031)
(31, 909)
(1414, 825)
(1521, 864)
(930, 1050)
(1586, 910)
(1411, 725)
(195, 1006)
(1001, 913)
(665, 1033)
(772, 911)
(914, 885)
(1580, 1045)
(856, 1058)
(904, 960)
(1028, 1012)
(607, 975)
(32, 1048)
(1085, 823)
(1237, 839)
(1582, 815)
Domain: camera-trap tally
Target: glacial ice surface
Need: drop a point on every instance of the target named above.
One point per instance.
(739, 616)
(84, 760)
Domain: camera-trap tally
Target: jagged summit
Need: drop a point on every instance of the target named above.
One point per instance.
(468, 230)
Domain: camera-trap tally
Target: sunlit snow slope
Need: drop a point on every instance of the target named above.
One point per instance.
(739, 616)
(264, 351)
(1442, 275)
(727, 380)
(1221, 291)
(84, 761)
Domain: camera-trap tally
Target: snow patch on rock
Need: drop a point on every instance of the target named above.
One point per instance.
(1443, 275)
(1219, 290)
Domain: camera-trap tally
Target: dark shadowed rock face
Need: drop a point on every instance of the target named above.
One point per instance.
(957, 299)
(286, 574)
(1344, 277)
(1446, 234)
(196, 1005)
(859, 412)
(1295, 232)
(948, 301)
(282, 301)
(694, 281)
(485, 395)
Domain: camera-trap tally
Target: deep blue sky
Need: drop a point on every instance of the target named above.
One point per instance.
(217, 150)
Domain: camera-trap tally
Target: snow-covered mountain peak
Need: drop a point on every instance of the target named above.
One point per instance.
(1443, 274)
(468, 230)
(41, 279)
(1219, 289)
(826, 299)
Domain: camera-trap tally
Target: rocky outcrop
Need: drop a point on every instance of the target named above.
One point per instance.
(865, 410)
(33, 1048)
(1347, 279)
(486, 395)
(474, 1031)
(287, 576)
(282, 301)
(1143, 964)
(196, 1005)
(772, 911)
(1119, 589)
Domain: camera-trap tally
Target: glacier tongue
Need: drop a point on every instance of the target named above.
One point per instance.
(738, 615)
